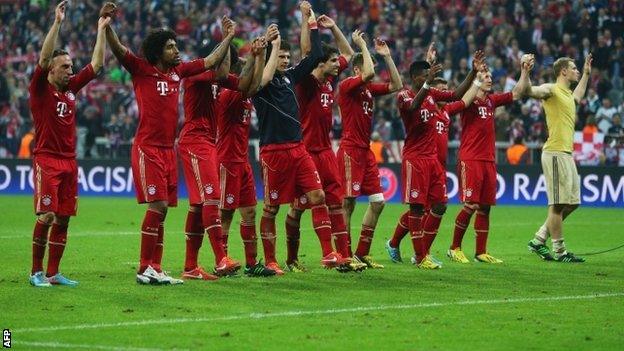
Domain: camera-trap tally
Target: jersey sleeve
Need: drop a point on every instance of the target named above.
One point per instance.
(454, 107)
(38, 80)
(350, 84)
(81, 79)
(378, 89)
(501, 99)
(342, 64)
(132, 63)
(231, 82)
(191, 68)
(442, 95)
(404, 100)
(308, 63)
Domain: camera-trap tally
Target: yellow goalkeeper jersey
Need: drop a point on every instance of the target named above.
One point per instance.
(560, 111)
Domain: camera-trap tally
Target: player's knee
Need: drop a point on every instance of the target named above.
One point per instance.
(61, 220)
(417, 209)
(439, 209)
(484, 209)
(195, 208)
(295, 213)
(159, 206)
(227, 215)
(377, 206)
(471, 206)
(248, 214)
(317, 197)
(47, 218)
(270, 211)
(348, 204)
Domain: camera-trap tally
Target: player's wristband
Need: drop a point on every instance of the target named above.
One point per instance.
(477, 83)
(426, 86)
(312, 25)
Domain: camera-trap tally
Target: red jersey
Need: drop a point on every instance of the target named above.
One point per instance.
(200, 106)
(443, 120)
(157, 97)
(234, 116)
(316, 102)
(355, 99)
(478, 135)
(54, 112)
(420, 124)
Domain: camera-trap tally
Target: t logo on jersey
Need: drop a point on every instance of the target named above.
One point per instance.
(215, 91)
(483, 112)
(162, 87)
(246, 116)
(61, 108)
(368, 110)
(424, 115)
(440, 127)
(325, 99)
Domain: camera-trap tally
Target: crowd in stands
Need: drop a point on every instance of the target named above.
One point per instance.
(503, 29)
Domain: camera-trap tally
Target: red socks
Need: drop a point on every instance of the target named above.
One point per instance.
(461, 223)
(366, 239)
(339, 231)
(149, 237)
(267, 233)
(212, 223)
(292, 238)
(40, 239)
(401, 230)
(430, 229)
(248, 233)
(194, 237)
(56, 246)
(322, 227)
(482, 227)
(415, 227)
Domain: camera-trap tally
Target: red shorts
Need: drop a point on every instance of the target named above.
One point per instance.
(477, 181)
(56, 185)
(155, 174)
(423, 181)
(237, 185)
(199, 163)
(327, 166)
(287, 173)
(358, 171)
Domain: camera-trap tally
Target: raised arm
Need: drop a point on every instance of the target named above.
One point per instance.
(341, 41)
(309, 63)
(218, 54)
(259, 56)
(224, 67)
(473, 90)
(424, 90)
(269, 70)
(108, 10)
(395, 78)
(520, 89)
(581, 87)
(97, 61)
(477, 62)
(368, 69)
(304, 41)
(50, 40)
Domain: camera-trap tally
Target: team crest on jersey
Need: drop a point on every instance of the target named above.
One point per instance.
(414, 194)
(46, 200)
(468, 192)
(356, 186)
(303, 200)
(151, 189)
(208, 189)
(229, 199)
(274, 194)
(70, 96)
(175, 77)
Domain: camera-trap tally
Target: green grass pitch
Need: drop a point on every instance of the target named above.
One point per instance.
(523, 304)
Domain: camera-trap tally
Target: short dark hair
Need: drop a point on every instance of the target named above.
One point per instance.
(328, 52)
(416, 68)
(283, 46)
(358, 60)
(59, 52)
(155, 42)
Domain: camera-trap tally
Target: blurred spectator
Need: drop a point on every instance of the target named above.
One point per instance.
(27, 145)
(517, 153)
(616, 126)
(605, 114)
(377, 146)
(590, 125)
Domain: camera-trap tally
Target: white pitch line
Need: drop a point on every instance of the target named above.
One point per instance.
(298, 313)
(80, 346)
(383, 227)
